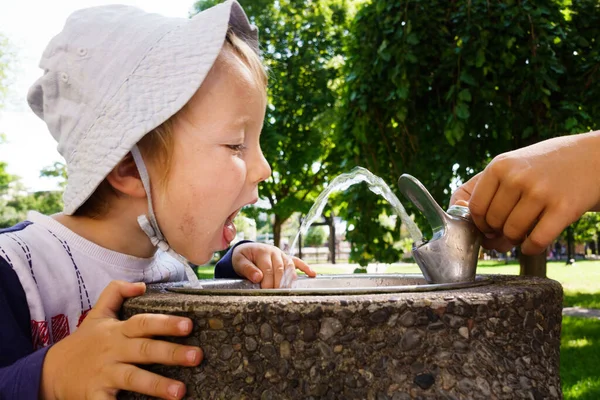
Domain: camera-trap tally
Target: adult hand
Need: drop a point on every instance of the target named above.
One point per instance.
(530, 195)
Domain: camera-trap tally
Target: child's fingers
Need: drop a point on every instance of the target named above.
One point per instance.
(102, 395)
(112, 298)
(151, 351)
(246, 268)
(134, 379)
(265, 265)
(304, 267)
(278, 267)
(148, 325)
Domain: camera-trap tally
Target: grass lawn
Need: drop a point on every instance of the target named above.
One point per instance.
(580, 358)
(580, 340)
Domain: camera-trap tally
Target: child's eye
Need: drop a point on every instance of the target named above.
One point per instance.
(237, 148)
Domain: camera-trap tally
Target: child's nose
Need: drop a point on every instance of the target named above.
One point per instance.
(261, 170)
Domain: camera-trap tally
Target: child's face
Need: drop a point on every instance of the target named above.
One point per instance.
(217, 162)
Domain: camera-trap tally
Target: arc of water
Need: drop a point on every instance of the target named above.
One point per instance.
(343, 182)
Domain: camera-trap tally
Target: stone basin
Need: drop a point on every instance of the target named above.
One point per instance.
(496, 340)
(343, 284)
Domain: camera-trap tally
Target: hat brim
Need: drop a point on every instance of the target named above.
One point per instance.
(162, 83)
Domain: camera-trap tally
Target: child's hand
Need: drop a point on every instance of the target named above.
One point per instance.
(528, 196)
(96, 361)
(264, 263)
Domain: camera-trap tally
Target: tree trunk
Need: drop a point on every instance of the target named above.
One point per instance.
(277, 230)
(533, 265)
(570, 245)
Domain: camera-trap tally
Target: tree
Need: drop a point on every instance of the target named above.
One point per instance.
(301, 42)
(315, 236)
(437, 88)
(17, 201)
(15, 209)
(58, 170)
(5, 59)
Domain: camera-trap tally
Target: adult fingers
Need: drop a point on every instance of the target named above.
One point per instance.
(147, 325)
(480, 201)
(134, 379)
(500, 244)
(152, 351)
(550, 225)
(112, 297)
(464, 192)
(501, 207)
(522, 219)
(304, 267)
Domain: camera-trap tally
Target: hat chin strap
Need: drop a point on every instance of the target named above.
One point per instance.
(148, 222)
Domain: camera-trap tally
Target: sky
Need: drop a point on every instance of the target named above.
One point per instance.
(29, 26)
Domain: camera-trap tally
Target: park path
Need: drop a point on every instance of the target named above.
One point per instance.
(581, 312)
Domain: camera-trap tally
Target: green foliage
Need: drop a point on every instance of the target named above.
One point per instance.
(57, 170)
(315, 236)
(15, 209)
(16, 201)
(586, 228)
(436, 89)
(301, 47)
(370, 239)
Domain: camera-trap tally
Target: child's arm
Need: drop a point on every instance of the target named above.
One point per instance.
(96, 361)
(530, 195)
(224, 267)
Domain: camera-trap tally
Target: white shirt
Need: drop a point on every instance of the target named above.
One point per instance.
(63, 274)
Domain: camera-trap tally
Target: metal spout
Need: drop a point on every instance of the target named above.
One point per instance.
(450, 255)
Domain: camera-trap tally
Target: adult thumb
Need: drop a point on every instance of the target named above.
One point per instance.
(464, 192)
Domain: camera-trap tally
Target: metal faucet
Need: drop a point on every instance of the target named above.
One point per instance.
(451, 254)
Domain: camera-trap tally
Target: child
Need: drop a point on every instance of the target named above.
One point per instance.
(159, 121)
(530, 195)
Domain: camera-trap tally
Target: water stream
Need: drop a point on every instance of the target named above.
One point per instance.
(343, 182)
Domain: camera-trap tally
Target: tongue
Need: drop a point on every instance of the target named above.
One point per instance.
(229, 231)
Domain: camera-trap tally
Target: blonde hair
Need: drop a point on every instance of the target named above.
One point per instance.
(157, 146)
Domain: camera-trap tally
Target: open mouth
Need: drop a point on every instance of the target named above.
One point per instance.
(229, 230)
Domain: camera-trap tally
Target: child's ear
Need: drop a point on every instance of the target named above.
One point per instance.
(125, 178)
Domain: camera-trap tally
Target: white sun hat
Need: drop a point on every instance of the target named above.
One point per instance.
(112, 75)
(116, 72)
